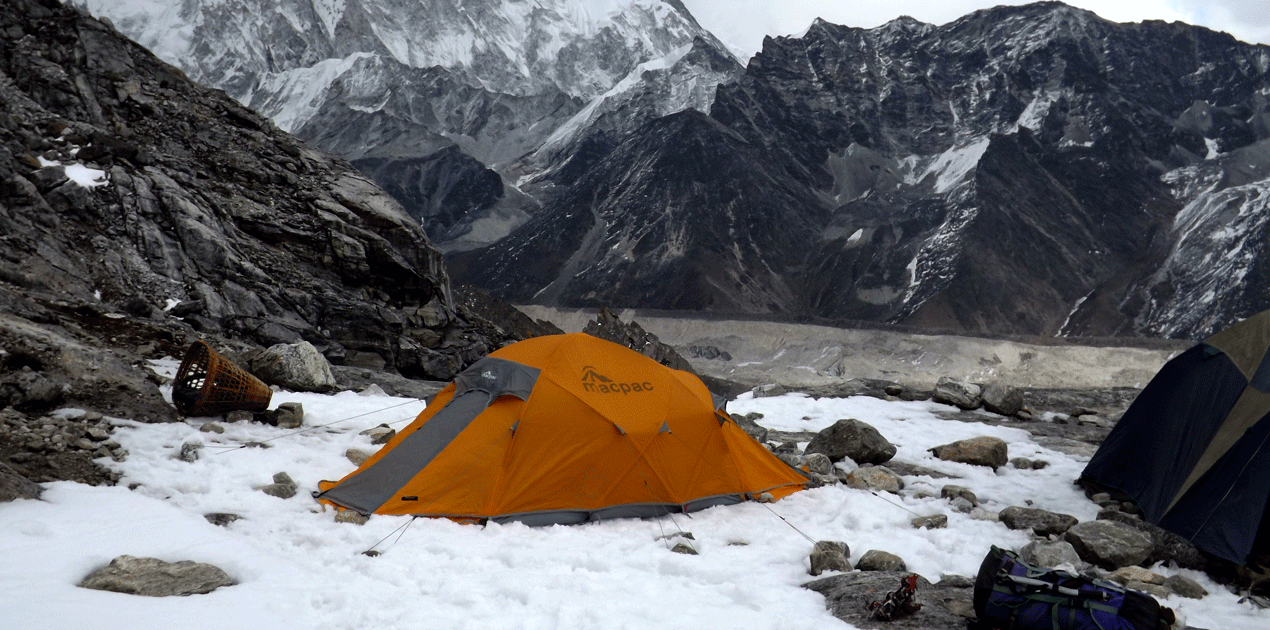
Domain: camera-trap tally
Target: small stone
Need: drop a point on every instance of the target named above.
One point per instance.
(189, 452)
(951, 491)
(239, 416)
(351, 516)
(211, 427)
(1021, 463)
(979, 451)
(769, 390)
(357, 456)
(288, 415)
(380, 434)
(684, 548)
(221, 519)
(935, 521)
(818, 463)
(1185, 587)
(875, 478)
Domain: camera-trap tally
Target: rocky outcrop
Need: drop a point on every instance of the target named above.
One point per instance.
(135, 191)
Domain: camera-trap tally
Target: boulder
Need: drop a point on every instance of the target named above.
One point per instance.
(1002, 399)
(1125, 575)
(874, 478)
(850, 438)
(1166, 546)
(959, 393)
(874, 560)
(818, 463)
(1185, 587)
(294, 366)
(769, 390)
(1108, 544)
(152, 577)
(979, 451)
(14, 486)
(830, 555)
(1050, 554)
(847, 595)
(1041, 522)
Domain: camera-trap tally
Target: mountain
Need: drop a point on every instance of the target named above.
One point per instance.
(140, 211)
(431, 97)
(1026, 169)
(1033, 170)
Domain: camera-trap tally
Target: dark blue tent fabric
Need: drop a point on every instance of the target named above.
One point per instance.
(1155, 445)
(1222, 511)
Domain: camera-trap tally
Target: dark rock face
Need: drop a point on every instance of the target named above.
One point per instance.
(909, 172)
(202, 202)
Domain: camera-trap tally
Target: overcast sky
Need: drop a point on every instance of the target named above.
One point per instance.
(741, 24)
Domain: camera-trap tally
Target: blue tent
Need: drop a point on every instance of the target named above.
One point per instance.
(1192, 449)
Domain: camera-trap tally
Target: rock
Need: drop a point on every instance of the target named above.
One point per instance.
(211, 427)
(935, 521)
(282, 487)
(1041, 522)
(684, 548)
(295, 366)
(830, 555)
(850, 438)
(959, 393)
(1108, 544)
(189, 451)
(1166, 546)
(1021, 463)
(14, 486)
(239, 415)
(351, 516)
(607, 325)
(979, 451)
(1050, 554)
(874, 560)
(981, 514)
(952, 491)
(963, 505)
(221, 519)
(357, 456)
(152, 577)
(769, 390)
(1003, 399)
(1157, 591)
(847, 595)
(875, 478)
(1125, 575)
(747, 422)
(288, 415)
(380, 434)
(818, 463)
(1185, 587)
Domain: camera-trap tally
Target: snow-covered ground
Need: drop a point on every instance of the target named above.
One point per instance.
(297, 568)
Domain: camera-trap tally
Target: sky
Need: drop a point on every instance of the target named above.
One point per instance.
(741, 24)
(296, 568)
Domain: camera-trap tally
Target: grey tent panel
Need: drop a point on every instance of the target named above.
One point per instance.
(475, 389)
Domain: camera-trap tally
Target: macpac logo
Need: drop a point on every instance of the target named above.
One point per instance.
(488, 375)
(595, 382)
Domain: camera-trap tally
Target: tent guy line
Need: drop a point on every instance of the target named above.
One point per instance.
(328, 424)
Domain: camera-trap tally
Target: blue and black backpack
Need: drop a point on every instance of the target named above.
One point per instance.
(1013, 595)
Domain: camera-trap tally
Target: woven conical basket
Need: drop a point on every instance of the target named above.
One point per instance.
(209, 385)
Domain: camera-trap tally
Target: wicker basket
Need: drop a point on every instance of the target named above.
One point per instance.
(209, 385)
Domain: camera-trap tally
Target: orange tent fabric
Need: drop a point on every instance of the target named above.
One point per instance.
(565, 429)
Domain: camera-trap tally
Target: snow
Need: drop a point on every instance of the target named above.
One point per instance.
(952, 166)
(80, 174)
(297, 568)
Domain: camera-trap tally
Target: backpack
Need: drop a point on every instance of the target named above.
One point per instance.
(1011, 594)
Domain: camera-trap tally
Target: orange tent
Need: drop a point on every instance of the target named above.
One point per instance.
(565, 429)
